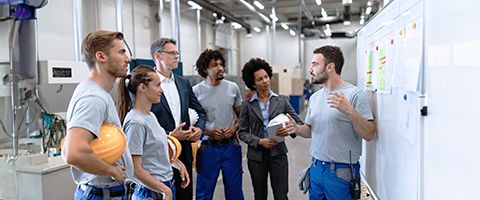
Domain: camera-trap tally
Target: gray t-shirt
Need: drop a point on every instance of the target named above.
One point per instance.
(147, 138)
(89, 108)
(219, 102)
(333, 136)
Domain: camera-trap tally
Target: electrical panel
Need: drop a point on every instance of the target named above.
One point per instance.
(56, 82)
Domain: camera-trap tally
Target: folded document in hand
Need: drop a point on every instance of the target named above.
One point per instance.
(277, 122)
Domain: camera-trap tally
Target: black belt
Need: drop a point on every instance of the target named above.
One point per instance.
(115, 193)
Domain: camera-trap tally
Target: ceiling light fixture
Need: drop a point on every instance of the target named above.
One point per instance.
(259, 5)
(256, 29)
(274, 17)
(264, 17)
(236, 25)
(324, 13)
(318, 2)
(292, 32)
(249, 6)
(284, 26)
(194, 5)
(328, 31)
(368, 11)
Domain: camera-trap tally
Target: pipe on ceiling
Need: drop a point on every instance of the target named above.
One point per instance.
(305, 9)
(321, 22)
(229, 16)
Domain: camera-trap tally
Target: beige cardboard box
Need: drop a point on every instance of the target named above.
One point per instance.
(289, 80)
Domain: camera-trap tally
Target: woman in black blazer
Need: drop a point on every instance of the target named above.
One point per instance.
(265, 155)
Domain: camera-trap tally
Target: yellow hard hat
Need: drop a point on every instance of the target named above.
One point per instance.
(174, 148)
(110, 143)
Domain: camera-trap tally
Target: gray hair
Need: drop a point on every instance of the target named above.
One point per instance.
(159, 44)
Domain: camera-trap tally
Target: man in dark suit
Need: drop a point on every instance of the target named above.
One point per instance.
(172, 111)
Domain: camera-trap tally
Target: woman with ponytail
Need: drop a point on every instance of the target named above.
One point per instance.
(146, 139)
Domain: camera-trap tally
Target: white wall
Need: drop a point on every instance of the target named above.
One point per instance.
(253, 47)
(144, 29)
(207, 36)
(189, 45)
(286, 48)
(56, 42)
(55, 31)
(4, 52)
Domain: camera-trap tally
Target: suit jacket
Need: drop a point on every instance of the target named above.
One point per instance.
(187, 100)
(251, 124)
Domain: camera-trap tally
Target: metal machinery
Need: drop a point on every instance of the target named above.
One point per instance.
(28, 128)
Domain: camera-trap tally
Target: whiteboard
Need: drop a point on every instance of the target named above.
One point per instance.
(390, 62)
(451, 138)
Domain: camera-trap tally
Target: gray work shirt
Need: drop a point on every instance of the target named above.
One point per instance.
(219, 102)
(148, 139)
(90, 107)
(333, 136)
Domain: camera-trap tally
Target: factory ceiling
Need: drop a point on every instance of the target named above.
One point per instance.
(314, 18)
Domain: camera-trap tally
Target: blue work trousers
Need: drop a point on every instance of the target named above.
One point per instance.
(215, 157)
(331, 181)
(142, 192)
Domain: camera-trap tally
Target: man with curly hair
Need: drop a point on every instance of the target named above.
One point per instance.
(220, 149)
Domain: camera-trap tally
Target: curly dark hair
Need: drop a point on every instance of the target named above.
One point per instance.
(251, 67)
(205, 58)
(332, 54)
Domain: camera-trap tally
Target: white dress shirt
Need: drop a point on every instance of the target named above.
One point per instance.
(171, 94)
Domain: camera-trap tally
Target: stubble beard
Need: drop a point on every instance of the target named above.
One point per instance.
(321, 78)
(115, 71)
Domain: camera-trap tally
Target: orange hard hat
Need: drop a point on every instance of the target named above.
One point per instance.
(195, 147)
(174, 148)
(110, 143)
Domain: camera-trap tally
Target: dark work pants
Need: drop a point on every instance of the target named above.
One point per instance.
(277, 167)
(184, 193)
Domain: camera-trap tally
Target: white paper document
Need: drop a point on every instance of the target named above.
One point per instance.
(277, 122)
